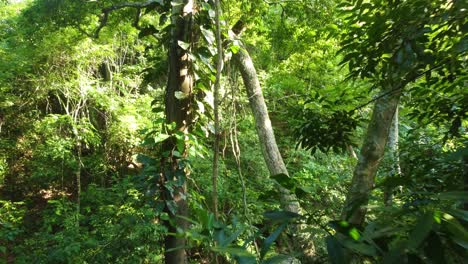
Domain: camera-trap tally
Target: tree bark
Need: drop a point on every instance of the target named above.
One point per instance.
(177, 109)
(217, 86)
(371, 154)
(394, 157)
(270, 151)
(465, 175)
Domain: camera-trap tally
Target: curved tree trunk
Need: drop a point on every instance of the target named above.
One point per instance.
(270, 151)
(177, 109)
(371, 154)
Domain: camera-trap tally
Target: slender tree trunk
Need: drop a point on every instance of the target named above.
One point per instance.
(78, 185)
(271, 153)
(371, 154)
(78, 169)
(394, 157)
(217, 86)
(465, 176)
(178, 110)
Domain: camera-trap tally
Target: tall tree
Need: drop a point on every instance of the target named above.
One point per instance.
(393, 43)
(217, 87)
(270, 150)
(178, 110)
(371, 153)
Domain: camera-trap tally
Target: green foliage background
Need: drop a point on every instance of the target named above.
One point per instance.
(71, 104)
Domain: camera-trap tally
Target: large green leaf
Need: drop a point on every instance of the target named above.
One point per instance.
(421, 230)
(458, 232)
(284, 180)
(460, 214)
(208, 34)
(434, 249)
(458, 196)
(236, 251)
(280, 216)
(224, 241)
(270, 239)
(335, 251)
(360, 247)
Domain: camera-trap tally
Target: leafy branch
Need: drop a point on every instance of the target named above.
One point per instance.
(104, 17)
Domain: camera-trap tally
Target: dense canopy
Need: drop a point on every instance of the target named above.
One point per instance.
(249, 131)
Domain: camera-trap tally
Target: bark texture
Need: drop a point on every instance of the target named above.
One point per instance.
(393, 139)
(178, 109)
(270, 151)
(371, 154)
(217, 87)
(465, 176)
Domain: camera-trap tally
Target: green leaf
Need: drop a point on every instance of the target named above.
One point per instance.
(160, 138)
(270, 239)
(458, 196)
(335, 251)
(183, 45)
(226, 241)
(460, 214)
(458, 232)
(359, 246)
(187, 219)
(208, 34)
(176, 154)
(354, 233)
(302, 191)
(392, 257)
(201, 107)
(180, 95)
(234, 48)
(211, 13)
(284, 180)
(281, 216)
(246, 260)
(236, 251)
(434, 249)
(206, 60)
(421, 231)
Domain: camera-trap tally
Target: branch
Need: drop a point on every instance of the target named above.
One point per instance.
(136, 20)
(107, 10)
(403, 84)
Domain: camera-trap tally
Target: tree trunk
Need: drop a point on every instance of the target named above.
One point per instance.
(394, 157)
(217, 87)
(270, 151)
(177, 109)
(465, 175)
(371, 154)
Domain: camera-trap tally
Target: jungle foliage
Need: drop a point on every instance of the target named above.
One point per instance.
(86, 175)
